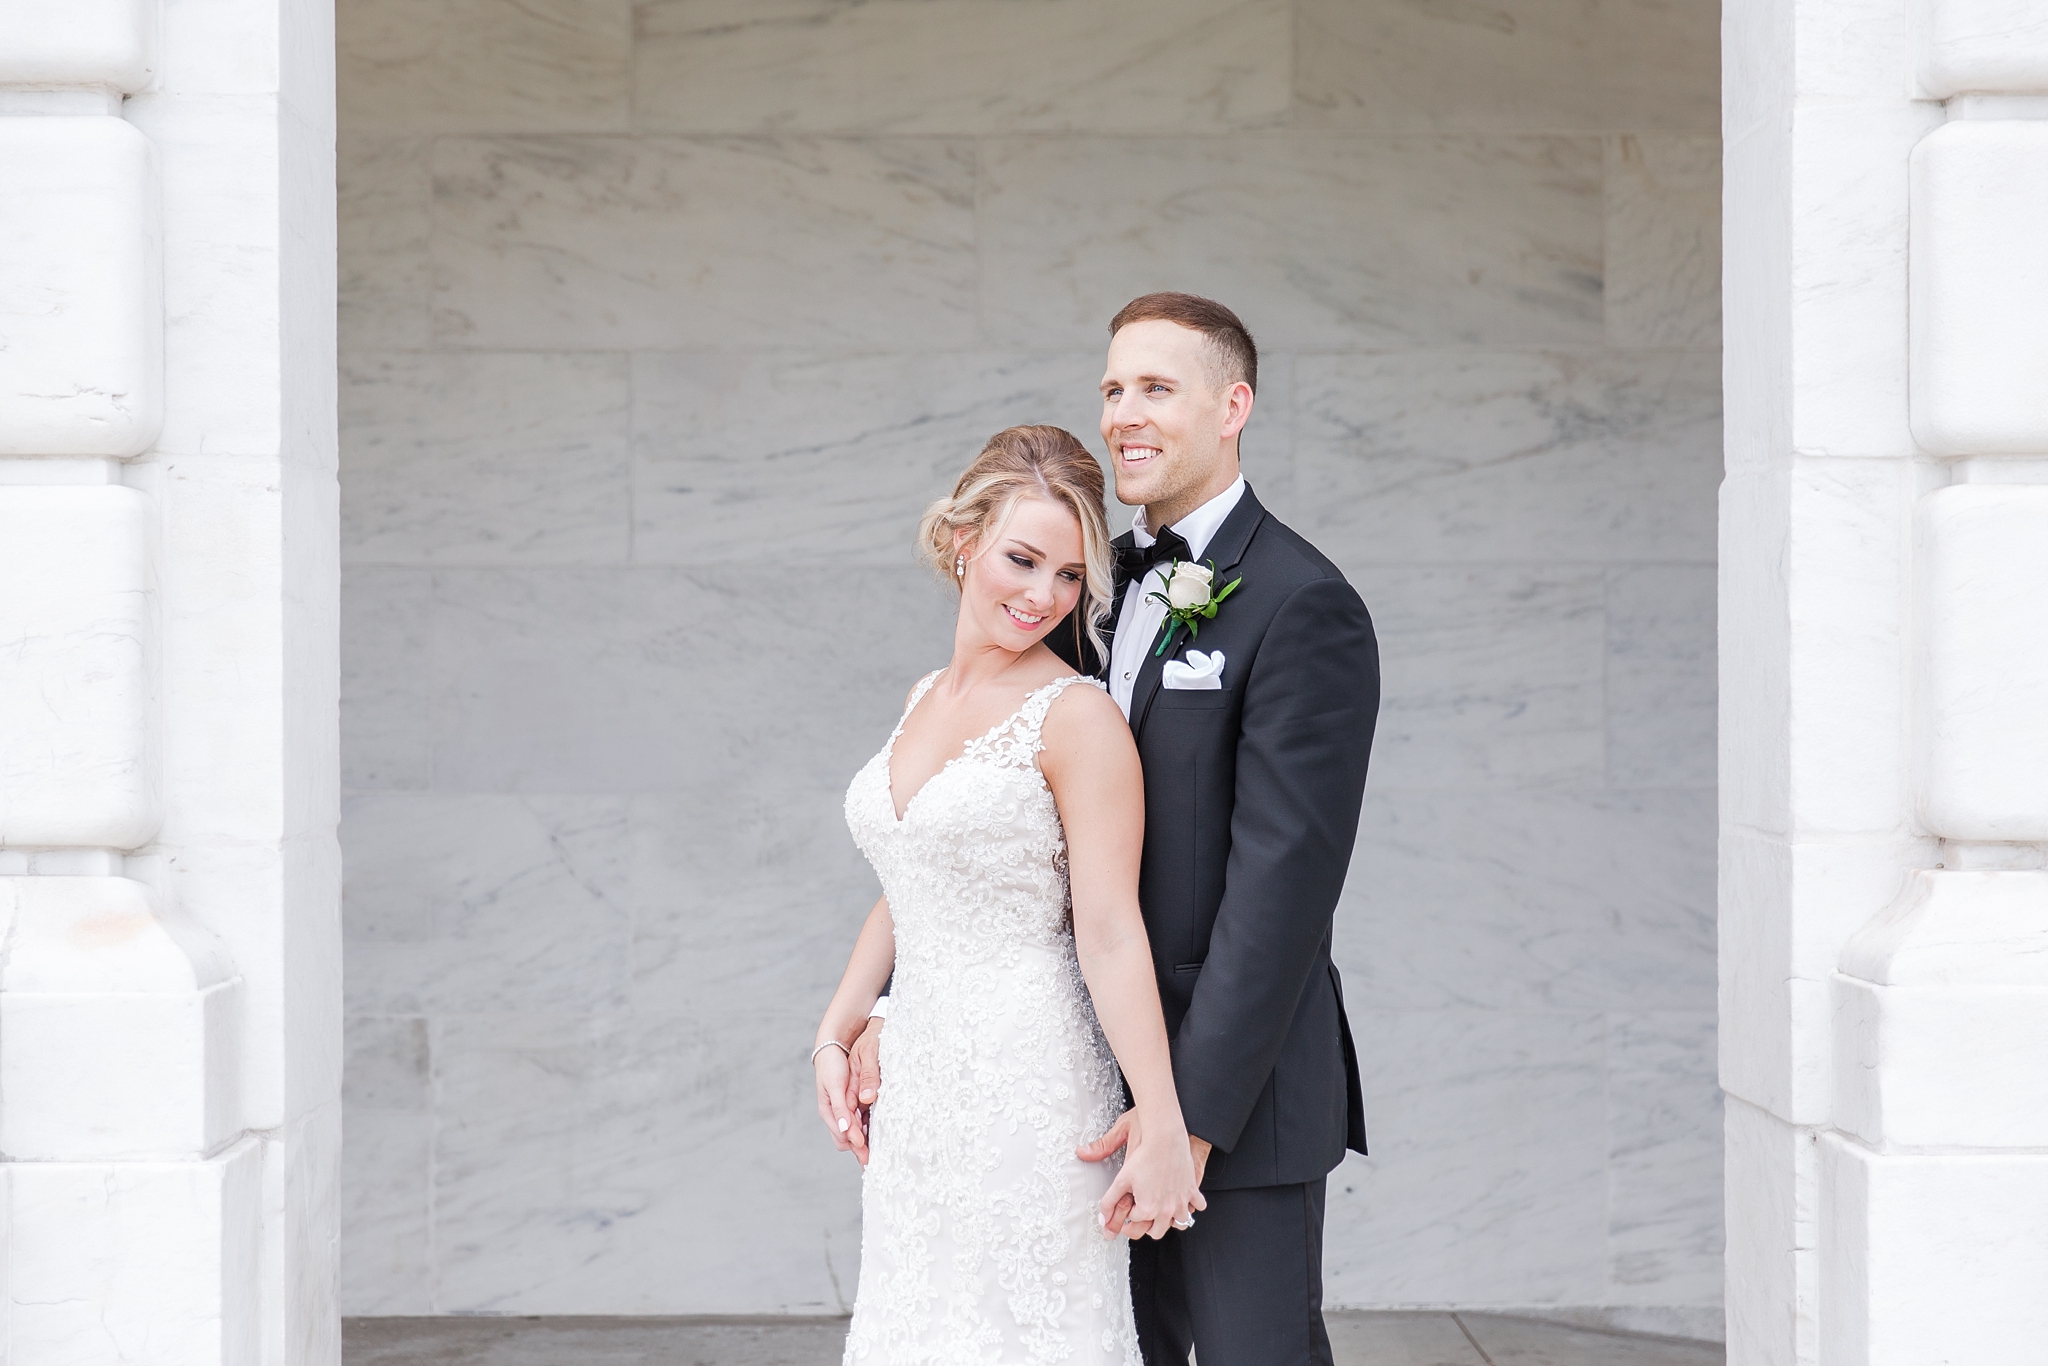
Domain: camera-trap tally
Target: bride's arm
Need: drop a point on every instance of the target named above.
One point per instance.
(1091, 764)
(874, 953)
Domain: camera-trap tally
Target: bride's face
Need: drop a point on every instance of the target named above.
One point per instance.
(1026, 580)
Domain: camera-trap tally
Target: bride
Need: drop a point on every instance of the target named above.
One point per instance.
(1004, 818)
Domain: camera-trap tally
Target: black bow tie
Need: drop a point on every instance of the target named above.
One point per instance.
(1136, 561)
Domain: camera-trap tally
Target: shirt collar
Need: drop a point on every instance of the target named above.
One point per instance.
(1199, 527)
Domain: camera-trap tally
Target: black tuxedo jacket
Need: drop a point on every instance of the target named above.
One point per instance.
(1252, 794)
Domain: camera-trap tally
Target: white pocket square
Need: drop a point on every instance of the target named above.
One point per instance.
(1200, 673)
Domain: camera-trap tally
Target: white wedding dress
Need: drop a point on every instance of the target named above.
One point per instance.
(980, 1244)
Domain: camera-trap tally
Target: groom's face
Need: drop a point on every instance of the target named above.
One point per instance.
(1163, 413)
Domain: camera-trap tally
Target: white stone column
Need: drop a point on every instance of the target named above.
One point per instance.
(1884, 582)
(169, 949)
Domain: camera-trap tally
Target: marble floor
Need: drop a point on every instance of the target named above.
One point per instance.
(1360, 1339)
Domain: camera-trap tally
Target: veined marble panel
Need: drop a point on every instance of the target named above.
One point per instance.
(386, 1161)
(449, 66)
(1317, 241)
(1530, 901)
(828, 459)
(961, 66)
(672, 242)
(386, 1213)
(1665, 1238)
(1487, 1183)
(1491, 675)
(385, 208)
(721, 874)
(1477, 456)
(1664, 241)
(485, 459)
(1661, 676)
(1508, 65)
(386, 683)
(626, 1166)
(475, 902)
(661, 680)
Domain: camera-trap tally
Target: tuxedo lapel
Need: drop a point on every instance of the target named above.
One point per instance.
(1226, 548)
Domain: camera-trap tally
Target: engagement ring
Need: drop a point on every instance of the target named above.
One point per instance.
(1184, 1225)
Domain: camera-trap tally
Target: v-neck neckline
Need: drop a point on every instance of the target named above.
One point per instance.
(967, 746)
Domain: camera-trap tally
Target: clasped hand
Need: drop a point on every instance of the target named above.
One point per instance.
(1160, 1186)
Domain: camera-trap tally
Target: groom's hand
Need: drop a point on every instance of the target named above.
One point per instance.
(1124, 1131)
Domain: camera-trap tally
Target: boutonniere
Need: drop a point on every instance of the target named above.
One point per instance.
(1191, 598)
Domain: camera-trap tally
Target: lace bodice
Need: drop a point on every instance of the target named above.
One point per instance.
(979, 1240)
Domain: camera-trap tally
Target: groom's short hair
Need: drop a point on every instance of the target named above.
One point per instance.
(1231, 348)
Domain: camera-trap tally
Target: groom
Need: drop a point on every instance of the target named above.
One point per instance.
(1254, 736)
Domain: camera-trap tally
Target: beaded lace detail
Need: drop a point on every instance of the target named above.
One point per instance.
(979, 1242)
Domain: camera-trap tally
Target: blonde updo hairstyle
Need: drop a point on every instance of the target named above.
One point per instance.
(1021, 462)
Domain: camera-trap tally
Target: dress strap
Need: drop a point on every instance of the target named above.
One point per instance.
(1031, 716)
(924, 685)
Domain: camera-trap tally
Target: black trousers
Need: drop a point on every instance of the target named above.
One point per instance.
(1243, 1287)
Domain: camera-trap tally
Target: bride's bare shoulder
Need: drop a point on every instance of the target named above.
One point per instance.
(1084, 713)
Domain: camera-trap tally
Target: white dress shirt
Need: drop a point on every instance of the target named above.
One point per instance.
(1139, 618)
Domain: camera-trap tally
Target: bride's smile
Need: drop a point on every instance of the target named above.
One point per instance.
(1027, 579)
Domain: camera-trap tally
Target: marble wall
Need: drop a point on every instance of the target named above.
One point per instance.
(660, 322)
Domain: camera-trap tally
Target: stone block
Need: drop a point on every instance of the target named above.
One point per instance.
(79, 762)
(1660, 676)
(1507, 456)
(1537, 900)
(1665, 1238)
(1980, 288)
(1846, 592)
(615, 1165)
(386, 1220)
(485, 459)
(1786, 912)
(386, 695)
(1982, 551)
(1491, 674)
(1979, 46)
(1940, 1010)
(1488, 1176)
(961, 67)
(81, 289)
(117, 1027)
(781, 851)
(222, 315)
(109, 44)
(385, 210)
(829, 459)
(1663, 242)
(455, 66)
(1773, 1174)
(1847, 347)
(468, 902)
(567, 243)
(1931, 1258)
(1324, 242)
(137, 1261)
(1510, 66)
(1754, 645)
(609, 681)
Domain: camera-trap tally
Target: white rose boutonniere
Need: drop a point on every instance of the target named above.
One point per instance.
(1190, 598)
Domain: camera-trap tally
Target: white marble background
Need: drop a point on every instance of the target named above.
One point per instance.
(661, 320)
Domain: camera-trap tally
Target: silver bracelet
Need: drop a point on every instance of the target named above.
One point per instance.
(830, 1043)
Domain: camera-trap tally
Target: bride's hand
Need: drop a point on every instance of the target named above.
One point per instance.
(1160, 1186)
(842, 1120)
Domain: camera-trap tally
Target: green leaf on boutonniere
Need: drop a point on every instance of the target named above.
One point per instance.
(1183, 580)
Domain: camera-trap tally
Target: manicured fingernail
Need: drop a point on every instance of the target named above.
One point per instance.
(842, 1126)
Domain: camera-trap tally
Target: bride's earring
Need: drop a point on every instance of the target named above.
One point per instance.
(960, 568)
